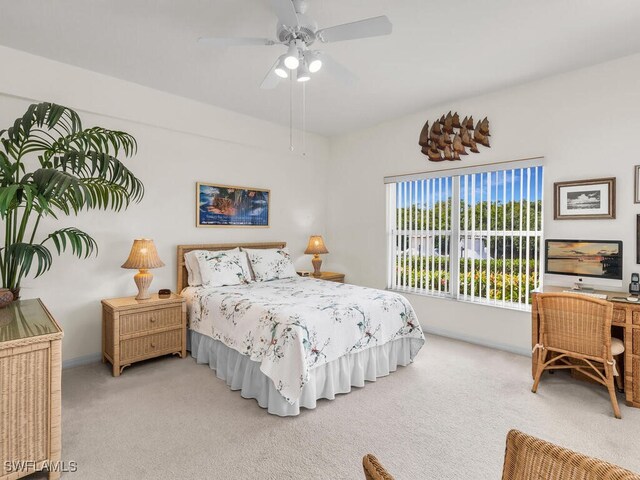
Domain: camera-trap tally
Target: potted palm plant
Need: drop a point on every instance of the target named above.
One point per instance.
(50, 165)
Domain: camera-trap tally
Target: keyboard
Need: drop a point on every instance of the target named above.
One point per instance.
(601, 296)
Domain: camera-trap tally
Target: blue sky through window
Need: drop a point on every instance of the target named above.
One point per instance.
(502, 188)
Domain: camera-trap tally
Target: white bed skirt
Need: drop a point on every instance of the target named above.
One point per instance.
(338, 376)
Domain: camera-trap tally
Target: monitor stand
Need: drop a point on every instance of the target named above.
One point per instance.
(582, 287)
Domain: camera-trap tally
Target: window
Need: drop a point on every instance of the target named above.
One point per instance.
(472, 235)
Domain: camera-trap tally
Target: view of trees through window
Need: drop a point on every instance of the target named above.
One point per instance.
(497, 222)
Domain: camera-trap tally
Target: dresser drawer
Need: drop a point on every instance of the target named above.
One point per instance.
(635, 341)
(150, 345)
(635, 380)
(619, 315)
(150, 320)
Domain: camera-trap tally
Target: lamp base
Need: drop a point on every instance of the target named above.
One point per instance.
(143, 280)
(316, 261)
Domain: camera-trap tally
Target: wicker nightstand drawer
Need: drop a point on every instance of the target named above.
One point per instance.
(150, 320)
(150, 345)
(636, 318)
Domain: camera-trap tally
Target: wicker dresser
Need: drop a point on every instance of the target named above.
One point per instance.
(30, 374)
(135, 330)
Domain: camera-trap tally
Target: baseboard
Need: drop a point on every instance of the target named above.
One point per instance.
(478, 341)
(83, 360)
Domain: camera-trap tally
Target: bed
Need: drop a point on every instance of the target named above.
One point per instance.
(291, 341)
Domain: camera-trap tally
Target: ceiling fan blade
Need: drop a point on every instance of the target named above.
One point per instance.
(285, 11)
(336, 69)
(235, 41)
(370, 27)
(271, 80)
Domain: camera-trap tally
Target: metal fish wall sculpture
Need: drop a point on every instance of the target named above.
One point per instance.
(448, 137)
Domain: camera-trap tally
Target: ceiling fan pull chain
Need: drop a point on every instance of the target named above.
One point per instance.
(304, 119)
(291, 112)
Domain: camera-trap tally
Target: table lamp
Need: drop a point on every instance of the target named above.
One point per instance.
(143, 256)
(316, 247)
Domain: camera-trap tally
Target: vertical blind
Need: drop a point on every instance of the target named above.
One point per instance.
(471, 236)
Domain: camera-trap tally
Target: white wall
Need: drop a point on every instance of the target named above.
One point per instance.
(180, 142)
(584, 123)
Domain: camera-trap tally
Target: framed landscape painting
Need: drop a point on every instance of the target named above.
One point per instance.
(585, 199)
(231, 206)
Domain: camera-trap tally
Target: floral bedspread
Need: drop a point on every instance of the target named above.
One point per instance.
(295, 324)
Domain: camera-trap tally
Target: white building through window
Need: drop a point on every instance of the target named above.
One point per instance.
(471, 234)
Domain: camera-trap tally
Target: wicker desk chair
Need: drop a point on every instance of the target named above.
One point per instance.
(578, 327)
(529, 458)
(373, 470)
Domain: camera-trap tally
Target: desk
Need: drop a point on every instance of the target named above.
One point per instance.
(627, 317)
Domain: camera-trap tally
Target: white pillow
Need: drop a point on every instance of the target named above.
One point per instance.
(193, 269)
(246, 268)
(194, 277)
(270, 264)
(223, 267)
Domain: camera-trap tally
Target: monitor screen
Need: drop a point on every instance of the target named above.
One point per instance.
(584, 258)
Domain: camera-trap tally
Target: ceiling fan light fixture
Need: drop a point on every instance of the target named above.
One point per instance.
(281, 69)
(315, 65)
(291, 60)
(303, 75)
(314, 61)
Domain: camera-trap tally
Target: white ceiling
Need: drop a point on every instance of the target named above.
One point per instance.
(438, 51)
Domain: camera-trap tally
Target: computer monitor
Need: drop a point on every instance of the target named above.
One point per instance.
(590, 262)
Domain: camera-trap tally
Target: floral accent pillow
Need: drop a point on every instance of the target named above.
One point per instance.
(270, 264)
(223, 267)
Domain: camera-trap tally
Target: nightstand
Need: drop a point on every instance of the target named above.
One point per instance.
(329, 276)
(135, 330)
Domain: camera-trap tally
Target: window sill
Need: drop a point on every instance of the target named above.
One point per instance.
(449, 297)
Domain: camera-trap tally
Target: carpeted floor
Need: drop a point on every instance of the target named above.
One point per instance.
(443, 417)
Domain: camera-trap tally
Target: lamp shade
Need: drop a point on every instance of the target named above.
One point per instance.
(316, 245)
(143, 255)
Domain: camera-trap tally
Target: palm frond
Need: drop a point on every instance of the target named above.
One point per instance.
(102, 194)
(30, 132)
(23, 254)
(96, 139)
(54, 184)
(14, 195)
(100, 165)
(69, 193)
(7, 169)
(81, 243)
(8, 198)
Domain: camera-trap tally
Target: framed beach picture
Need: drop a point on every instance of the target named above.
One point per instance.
(636, 184)
(231, 206)
(585, 199)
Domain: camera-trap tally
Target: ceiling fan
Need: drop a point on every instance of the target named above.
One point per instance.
(298, 32)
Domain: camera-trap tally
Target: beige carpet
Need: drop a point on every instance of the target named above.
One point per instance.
(443, 417)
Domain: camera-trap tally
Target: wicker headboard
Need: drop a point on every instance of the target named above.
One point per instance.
(182, 249)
